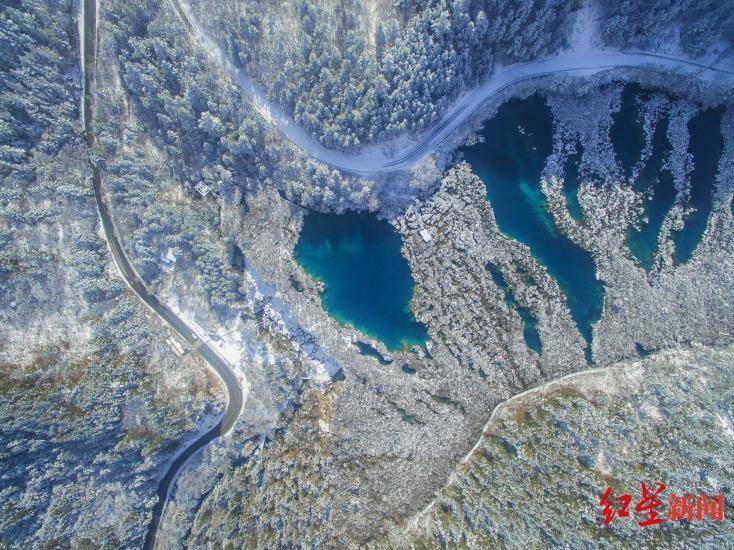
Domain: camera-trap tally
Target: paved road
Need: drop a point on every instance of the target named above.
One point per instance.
(370, 162)
(382, 158)
(220, 366)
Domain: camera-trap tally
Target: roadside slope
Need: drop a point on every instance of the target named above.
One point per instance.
(220, 366)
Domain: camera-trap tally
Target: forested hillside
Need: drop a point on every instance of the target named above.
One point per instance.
(355, 72)
(694, 27)
(197, 115)
(91, 401)
(352, 73)
(39, 95)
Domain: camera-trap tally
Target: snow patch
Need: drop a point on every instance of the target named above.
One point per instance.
(727, 425)
(602, 466)
(585, 34)
(229, 345)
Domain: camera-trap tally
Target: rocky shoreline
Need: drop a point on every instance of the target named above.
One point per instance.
(377, 441)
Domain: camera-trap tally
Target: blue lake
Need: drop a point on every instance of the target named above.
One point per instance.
(367, 282)
(706, 146)
(518, 140)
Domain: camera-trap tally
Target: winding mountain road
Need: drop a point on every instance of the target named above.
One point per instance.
(378, 159)
(370, 161)
(194, 340)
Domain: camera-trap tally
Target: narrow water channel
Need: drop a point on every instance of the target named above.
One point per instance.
(530, 323)
(654, 182)
(627, 131)
(706, 146)
(517, 142)
(572, 183)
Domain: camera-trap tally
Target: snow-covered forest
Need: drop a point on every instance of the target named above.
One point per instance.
(95, 400)
(352, 73)
(696, 28)
(355, 72)
(92, 403)
(199, 117)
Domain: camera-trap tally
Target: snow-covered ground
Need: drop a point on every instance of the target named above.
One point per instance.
(404, 153)
(230, 348)
(323, 367)
(585, 35)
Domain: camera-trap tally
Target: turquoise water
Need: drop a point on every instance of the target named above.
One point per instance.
(706, 145)
(530, 323)
(367, 282)
(627, 131)
(660, 194)
(518, 140)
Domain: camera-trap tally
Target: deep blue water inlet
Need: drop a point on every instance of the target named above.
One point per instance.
(627, 135)
(627, 132)
(367, 282)
(659, 190)
(706, 146)
(654, 181)
(518, 140)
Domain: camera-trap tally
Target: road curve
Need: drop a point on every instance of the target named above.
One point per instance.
(372, 161)
(378, 159)
(220, 366)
